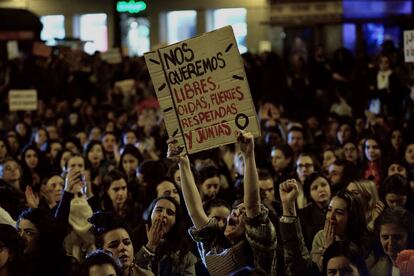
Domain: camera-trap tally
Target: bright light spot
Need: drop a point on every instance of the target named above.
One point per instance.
(93, 28)
(138, 40)
(53, 27)
(181, 25)
(237, 19)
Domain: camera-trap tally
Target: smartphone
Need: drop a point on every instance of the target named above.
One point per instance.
(375, 106)
(84, 187)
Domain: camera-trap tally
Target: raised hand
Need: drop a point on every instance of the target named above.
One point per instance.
(289, 191)
(191, 194)
(175, 152)
(32, 198)
(154, 234)
(246, 142)
(377, 211)
(48, 195)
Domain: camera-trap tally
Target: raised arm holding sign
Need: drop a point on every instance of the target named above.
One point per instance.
(247, 228)
(202, 88)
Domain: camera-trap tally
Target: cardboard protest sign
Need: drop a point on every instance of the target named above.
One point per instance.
(112, 56)
(41, 50)
(13, 49)
(409, 46)
(202, 88)
(127, 87)
(23, 100)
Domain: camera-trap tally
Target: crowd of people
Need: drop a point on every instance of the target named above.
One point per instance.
(91, 184)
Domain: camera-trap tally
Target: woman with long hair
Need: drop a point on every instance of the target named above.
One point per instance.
(366, 192)
(409, 159)
(32, 161)
(118, 199)
(112, 235)
(11, 252)
(61, 159)
(249, 235)
(373, 160)
(162, 252)
(11, 188)
(345, 220)
(4, 149)
(130, 160)
(395, 143)
(95, 160)
(344, 133)
(42, 243)
(53, 147)
(338, 257)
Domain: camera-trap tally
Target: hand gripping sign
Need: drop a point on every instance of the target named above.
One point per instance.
(202, 88)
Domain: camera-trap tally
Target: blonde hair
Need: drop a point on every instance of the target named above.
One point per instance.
(368, 187)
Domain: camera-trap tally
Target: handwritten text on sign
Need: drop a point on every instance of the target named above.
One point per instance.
(409, 46)
(22, 100)
(202, 88)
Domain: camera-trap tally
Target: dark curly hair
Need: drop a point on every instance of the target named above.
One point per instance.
(103, 222)
(347, 250)
(100, 257)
